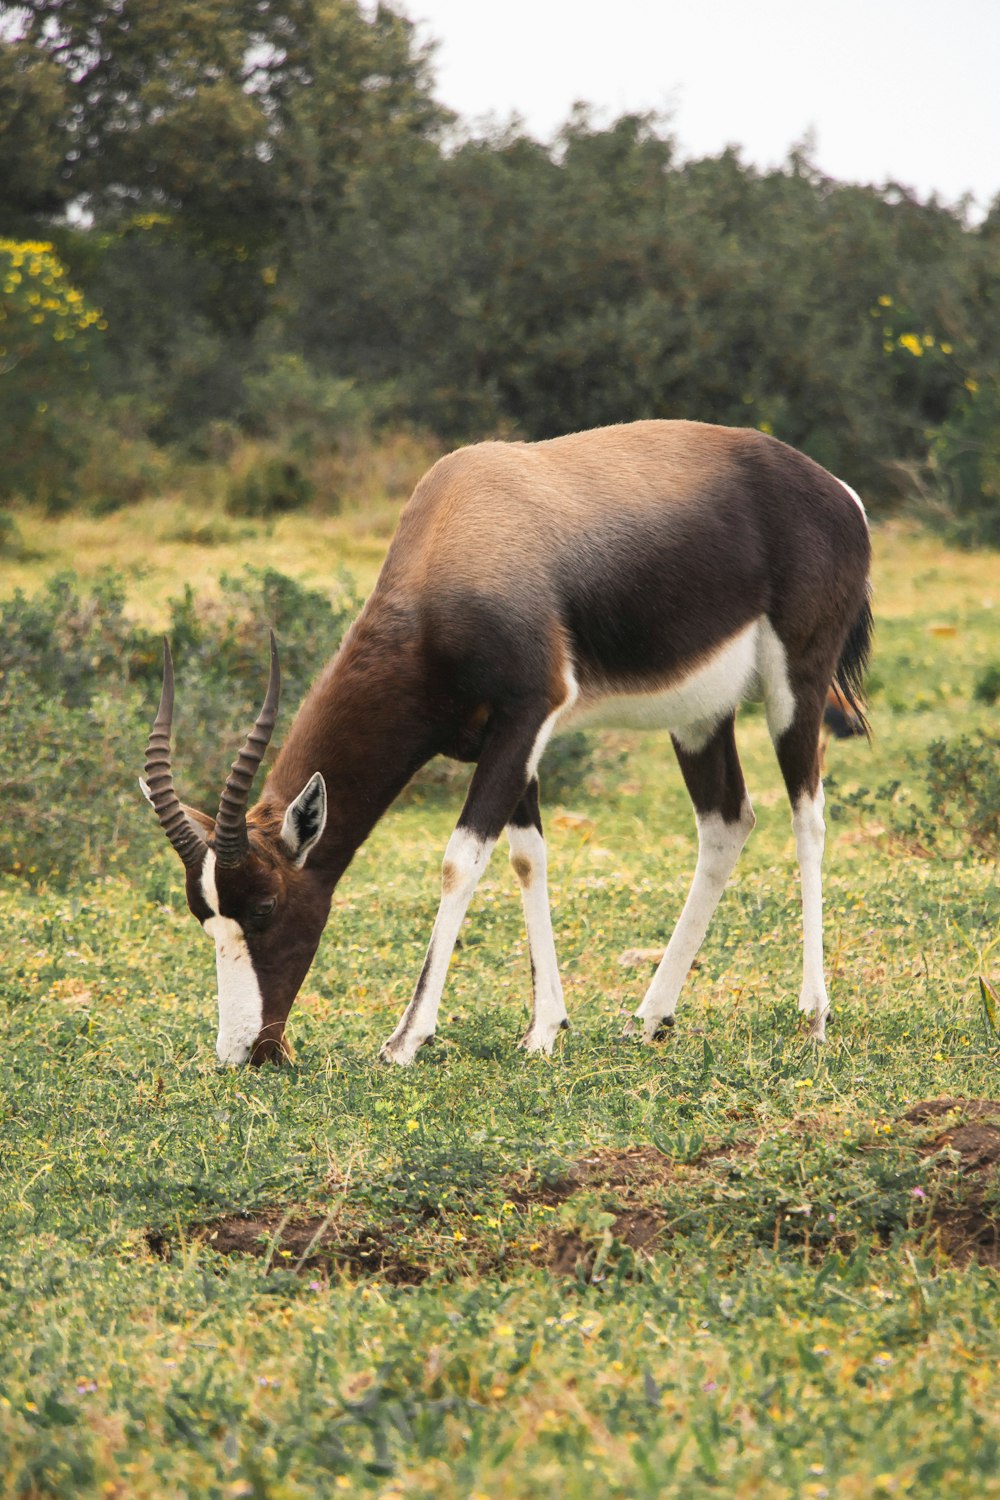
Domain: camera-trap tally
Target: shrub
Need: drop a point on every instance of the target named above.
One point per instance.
(947, 802)
(70, 771)
(269, 486)
(69, 641)
(118, 470)
(963, 788)
(79, 684)
(987, 688)
(11, 542)
(288, 399)
(962, 485)
(46, 329)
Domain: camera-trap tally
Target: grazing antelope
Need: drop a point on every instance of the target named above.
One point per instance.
(655, 574)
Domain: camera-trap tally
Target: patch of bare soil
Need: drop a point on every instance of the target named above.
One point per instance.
(304, 1244)
(569, 1254)
(640, 1166)
(967, 1215)
(626, 1181)
(629, 1188)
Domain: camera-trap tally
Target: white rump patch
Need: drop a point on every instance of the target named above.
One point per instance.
(241, 1004)
(854, 496)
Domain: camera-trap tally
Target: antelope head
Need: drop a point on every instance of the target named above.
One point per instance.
(247, 881)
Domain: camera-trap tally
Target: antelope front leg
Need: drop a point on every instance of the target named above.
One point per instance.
(464, 862)
(528, 859)
(506, 768)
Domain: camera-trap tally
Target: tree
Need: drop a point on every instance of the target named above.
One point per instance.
(33, 178)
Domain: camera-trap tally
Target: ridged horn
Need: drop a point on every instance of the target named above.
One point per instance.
(185, 837)
(232, 844)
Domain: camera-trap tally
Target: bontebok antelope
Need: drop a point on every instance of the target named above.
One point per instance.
(656, 574)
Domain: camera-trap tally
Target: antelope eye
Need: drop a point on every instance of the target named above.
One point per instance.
(263, 909)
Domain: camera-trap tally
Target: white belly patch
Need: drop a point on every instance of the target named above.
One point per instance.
(750, 662)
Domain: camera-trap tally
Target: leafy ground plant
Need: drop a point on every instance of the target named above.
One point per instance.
(947, 799)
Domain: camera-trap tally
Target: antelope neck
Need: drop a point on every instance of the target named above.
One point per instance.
(362, 729)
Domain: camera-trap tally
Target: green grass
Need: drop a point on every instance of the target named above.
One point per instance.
(724, 1265)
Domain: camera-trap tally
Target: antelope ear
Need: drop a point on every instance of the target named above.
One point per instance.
(305, 820)
(200, 821)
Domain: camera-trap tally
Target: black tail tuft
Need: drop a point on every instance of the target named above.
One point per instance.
(853, 664)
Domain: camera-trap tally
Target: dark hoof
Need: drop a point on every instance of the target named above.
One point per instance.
(667, 1024)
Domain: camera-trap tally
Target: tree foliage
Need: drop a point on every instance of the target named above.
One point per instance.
(262, 184)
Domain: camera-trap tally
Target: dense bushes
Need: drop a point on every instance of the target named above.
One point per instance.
(47, 332)
(79, 684)
(291, 250)
(269, 485)
(961, 492)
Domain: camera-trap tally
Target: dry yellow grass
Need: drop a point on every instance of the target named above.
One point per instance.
(162, 544)
(186, 537)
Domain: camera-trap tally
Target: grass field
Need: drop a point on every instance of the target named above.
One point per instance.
(731, 1264)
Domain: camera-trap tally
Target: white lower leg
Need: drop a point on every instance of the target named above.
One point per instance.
(719, 845)
(810, 837)
(464, 862)
(548, 1012)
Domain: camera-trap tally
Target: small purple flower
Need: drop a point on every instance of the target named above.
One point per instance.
(918, 1192)
(315, 1286)
(710, 1385)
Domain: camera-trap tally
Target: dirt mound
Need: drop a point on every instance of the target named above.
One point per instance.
(641, 1166)
(306, 1244)
(625, 1179)
(628, 1190)
(569, 1254)
(966, 1215)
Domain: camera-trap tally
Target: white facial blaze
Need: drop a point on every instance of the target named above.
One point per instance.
(241, 1005)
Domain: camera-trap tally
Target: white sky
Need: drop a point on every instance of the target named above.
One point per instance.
(907, 90)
